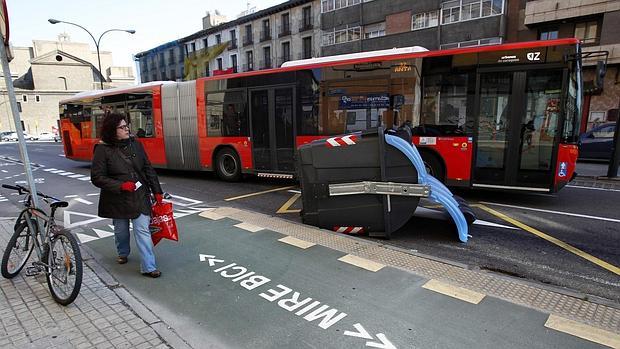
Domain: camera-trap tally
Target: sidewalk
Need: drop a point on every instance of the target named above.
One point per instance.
(99, 318)
(594, 175)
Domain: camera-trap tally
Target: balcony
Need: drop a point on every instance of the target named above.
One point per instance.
(306, 25)
(305, 55)
(232, 44)
(284, 30)
(248, 40)
(248, 67)
(541, 11)
(266, 64)
(265, 35)
(283, 59)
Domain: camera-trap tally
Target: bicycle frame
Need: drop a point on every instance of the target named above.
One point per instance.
(44, 225)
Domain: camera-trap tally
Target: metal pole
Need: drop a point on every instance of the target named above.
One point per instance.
(99, 62)
(612, 171)
(20, 133)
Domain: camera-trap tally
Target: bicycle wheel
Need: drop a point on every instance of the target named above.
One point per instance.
(18, 250)
(65, 262)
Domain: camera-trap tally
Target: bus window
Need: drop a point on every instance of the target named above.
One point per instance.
(141, 118)
(572, 118)
(226, 114)
(310, 102)
(445, 102)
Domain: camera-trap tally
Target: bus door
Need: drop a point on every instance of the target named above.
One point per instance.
(273, 136)
(517, 128)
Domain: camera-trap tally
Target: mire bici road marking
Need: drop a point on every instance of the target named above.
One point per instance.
(601, 263)
(259, 193)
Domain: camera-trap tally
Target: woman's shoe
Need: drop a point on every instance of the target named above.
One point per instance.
(154, 274)
(121, 260)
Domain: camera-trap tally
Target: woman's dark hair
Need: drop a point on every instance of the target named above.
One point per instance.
(108, 128)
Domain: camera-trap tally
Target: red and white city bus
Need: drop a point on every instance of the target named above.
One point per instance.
(502, 116)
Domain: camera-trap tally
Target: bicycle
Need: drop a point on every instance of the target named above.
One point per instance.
(58, 253)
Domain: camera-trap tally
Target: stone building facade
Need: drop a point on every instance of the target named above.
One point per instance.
(47, 72)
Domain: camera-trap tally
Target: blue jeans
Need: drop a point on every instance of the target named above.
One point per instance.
(141, 234)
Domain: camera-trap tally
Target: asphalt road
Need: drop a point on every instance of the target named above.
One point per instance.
(514, 248)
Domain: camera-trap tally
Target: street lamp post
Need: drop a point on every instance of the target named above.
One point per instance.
(97, 42)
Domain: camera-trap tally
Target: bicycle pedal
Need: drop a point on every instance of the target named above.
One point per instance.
(32, 271)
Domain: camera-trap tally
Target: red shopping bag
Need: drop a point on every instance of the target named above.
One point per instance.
(162, 222)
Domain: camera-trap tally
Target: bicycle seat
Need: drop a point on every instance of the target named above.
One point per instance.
(57, 204)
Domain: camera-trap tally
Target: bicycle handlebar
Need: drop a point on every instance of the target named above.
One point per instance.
(21, 189)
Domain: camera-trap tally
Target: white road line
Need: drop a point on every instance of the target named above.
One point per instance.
(555, 212)
(65, 173)
(57, 171)
(71, 196)
(83, 201)
(49, 169)
(600, 189)
(76, 176)
(84, 179)
(5, 171)
(93, 194)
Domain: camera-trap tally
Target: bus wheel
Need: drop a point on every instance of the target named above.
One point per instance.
(434, 167)
(227, 165)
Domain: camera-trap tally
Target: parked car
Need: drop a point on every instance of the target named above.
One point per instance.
(48, 136)
(598, 142)
(13, 137)
(4, 134)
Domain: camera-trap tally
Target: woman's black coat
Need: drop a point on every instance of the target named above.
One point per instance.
(114, 164)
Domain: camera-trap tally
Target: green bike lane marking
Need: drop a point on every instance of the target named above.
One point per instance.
(225, 285)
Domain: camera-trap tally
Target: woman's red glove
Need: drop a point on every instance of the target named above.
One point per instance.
(159, 198)
(128, 186)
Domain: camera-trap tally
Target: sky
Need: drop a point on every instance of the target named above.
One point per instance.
(155, 21)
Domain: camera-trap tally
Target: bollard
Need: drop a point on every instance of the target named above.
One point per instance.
(612, 171)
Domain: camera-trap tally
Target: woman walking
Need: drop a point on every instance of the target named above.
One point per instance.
(124, 173)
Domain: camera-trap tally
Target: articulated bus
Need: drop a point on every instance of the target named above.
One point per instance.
(503, 116)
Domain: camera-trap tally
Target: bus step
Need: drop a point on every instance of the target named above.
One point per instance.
(275, 175)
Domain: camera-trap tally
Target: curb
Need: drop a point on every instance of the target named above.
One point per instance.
(167, 333)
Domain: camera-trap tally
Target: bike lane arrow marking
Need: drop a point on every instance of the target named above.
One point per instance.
(383, 343)
(361, 332)
(210, 259)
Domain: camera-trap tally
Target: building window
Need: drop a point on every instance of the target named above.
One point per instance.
(233, 63)
(233, 39)
(374, 30)
(286, 52)
(25, 98)
(306, 48)
(220, 64)
(173, 75)
(171, 56)
(163, 76)
(463, 10)
(587, 32)
(266, 64)
(425, 20)
(548, 34)
(341, 36)
(218, 39)
(306, 18)
(249, 58)
(37, 98)
(194, 46)
(205, 42)
(332, 5)
(470, 43)
(285, 26)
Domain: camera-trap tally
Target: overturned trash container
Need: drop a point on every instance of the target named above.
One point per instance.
(358, 183)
